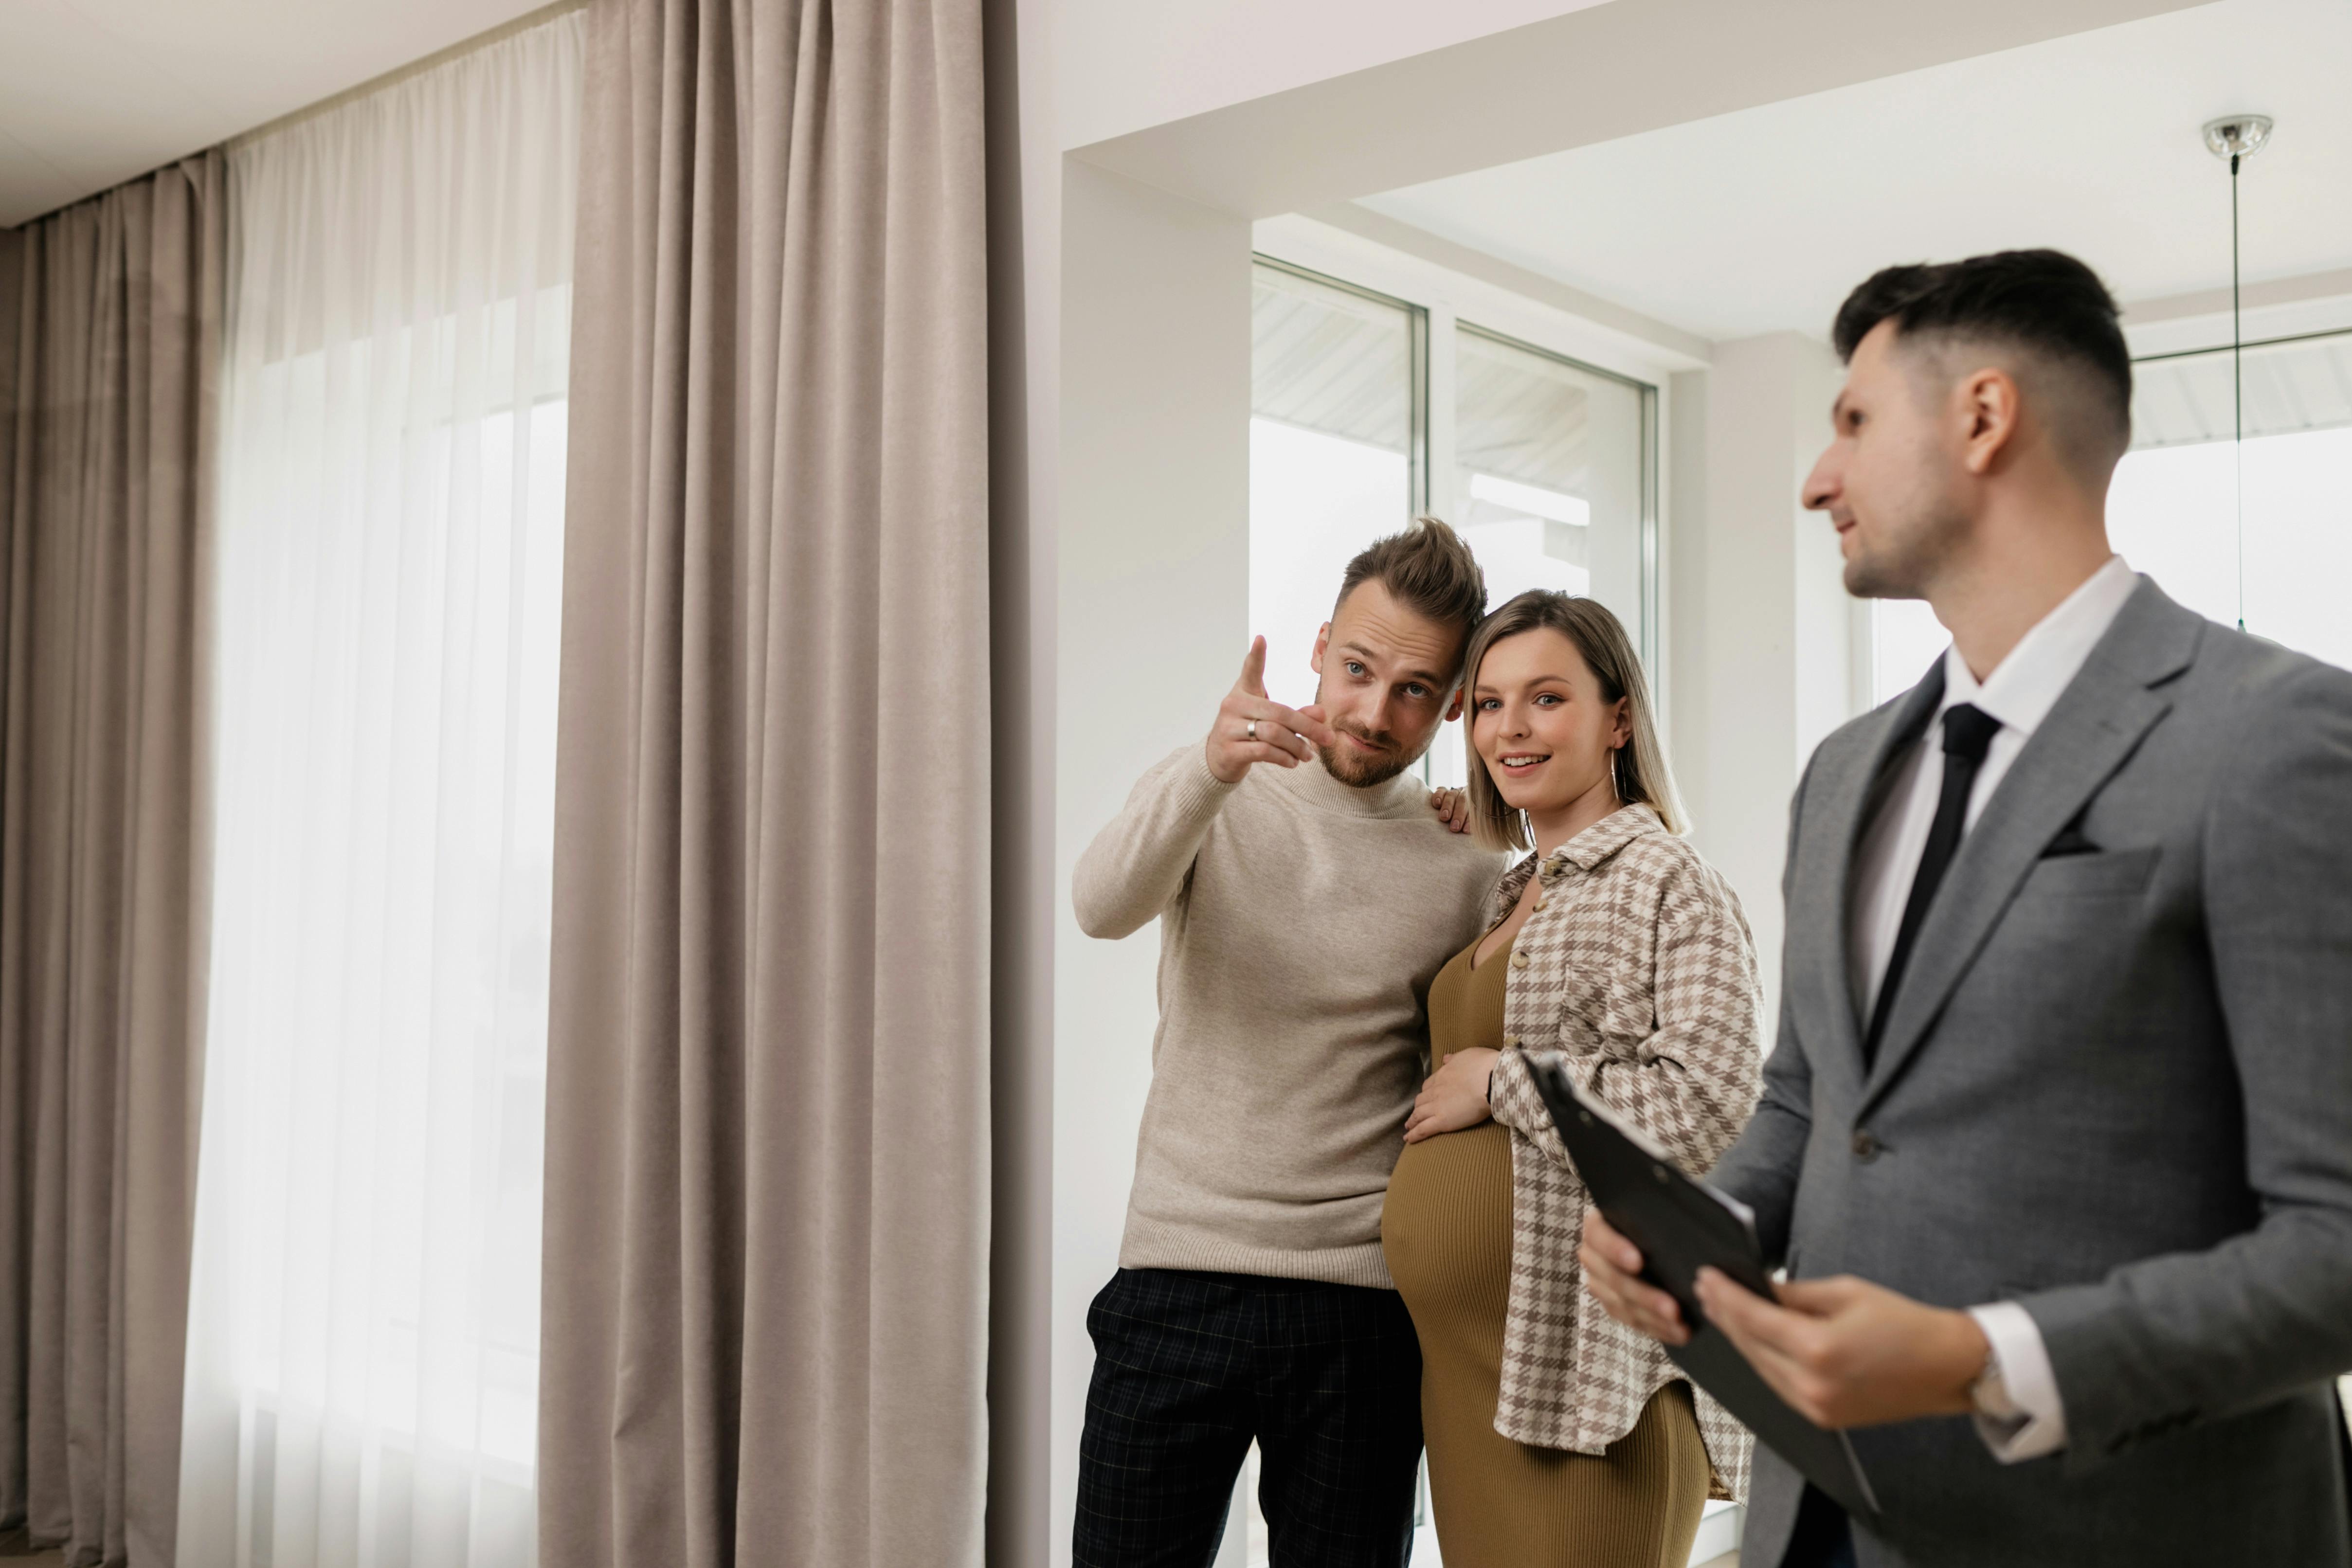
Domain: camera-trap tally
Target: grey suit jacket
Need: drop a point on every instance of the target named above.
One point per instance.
(2117, 1087)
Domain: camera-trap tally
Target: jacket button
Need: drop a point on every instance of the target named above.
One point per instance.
(1865, 1147)
(1542, 899)
(1518, 961)
(1510, 1041)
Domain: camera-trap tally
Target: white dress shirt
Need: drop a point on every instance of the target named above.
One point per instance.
(2018, 692)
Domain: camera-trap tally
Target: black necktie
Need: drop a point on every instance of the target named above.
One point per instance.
(1968, 731)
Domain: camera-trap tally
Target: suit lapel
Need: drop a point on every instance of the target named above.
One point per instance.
(1852, 796)
(2095, 727)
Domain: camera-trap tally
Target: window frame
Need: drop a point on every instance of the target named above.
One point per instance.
(1417, 417)
(1646, 639)
(1431, 425)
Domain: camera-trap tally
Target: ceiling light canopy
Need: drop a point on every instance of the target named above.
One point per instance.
(2237, 135)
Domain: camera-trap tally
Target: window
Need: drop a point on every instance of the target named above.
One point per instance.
(1553, 478)
(1554, 464)
(2173, 509)
(1337, 435)
(363, 1321)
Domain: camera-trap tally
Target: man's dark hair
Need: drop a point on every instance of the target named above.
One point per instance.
(2043, 304)
(1429, 570)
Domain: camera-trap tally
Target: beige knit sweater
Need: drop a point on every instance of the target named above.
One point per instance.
(1302, 923)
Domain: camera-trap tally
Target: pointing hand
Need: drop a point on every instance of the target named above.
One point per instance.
(1252, 728)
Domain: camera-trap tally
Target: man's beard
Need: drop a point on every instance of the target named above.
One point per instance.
(1359, 771)
(1906, 562)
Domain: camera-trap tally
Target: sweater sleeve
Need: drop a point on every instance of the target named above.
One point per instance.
(1694, 1081)
(1137, 865)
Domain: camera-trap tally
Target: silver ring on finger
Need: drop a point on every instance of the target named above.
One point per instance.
(1249, 730)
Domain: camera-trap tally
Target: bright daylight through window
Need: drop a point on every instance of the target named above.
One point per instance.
(1552, 484)
(1553, 481)
(363, 1338)
(1335, 415)
(2172, 512)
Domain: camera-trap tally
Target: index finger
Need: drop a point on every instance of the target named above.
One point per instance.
(1818, 1298)
(1253, 679)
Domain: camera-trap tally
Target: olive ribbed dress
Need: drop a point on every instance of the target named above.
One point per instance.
(1447, 1233)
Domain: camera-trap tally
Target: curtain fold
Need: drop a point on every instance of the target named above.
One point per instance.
(362, 1335)
(106, 523)
(765, 1277)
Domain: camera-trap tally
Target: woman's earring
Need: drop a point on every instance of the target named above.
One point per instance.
(1617, 771)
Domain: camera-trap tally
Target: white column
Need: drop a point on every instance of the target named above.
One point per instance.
(1151, 609)
(1759, 624)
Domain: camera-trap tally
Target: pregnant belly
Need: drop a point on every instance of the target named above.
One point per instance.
(1446, 1229)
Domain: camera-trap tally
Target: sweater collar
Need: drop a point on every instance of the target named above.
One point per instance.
(1314, 784)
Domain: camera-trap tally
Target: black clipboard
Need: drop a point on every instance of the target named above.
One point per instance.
(1681, 1223)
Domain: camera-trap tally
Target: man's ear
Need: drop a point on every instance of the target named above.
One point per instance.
(1988, 406)
(1322, 640)
(1453, 708)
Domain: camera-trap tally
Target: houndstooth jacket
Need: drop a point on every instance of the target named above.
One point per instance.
(1636, 965)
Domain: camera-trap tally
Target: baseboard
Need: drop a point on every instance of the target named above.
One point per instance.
(1718, 1531)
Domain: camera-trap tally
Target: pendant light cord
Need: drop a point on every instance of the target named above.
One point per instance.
(2238, 392)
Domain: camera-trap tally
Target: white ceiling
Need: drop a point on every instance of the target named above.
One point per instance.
(93, 92)
(1760, 221)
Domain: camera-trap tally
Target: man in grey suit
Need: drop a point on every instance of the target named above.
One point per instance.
(2056, 1139)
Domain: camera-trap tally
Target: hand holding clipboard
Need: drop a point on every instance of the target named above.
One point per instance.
(1682, 1225)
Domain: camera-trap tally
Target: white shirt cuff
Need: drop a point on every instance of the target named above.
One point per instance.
(2031, 1421)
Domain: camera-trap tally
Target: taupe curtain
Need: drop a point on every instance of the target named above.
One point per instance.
(105, 475)
(767, 1163)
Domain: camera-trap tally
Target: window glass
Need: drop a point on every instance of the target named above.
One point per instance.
(1335, 394)
(2173, 509)
(2173, 512)
(1552, 484)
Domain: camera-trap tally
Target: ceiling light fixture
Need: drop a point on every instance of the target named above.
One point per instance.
(2238, 137)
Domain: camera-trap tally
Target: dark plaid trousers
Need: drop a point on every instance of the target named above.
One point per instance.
(1189, 1367)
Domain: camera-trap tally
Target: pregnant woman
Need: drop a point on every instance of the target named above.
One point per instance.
(1555, 1436)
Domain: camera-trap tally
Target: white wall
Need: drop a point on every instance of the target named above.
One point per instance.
(1151, 606)
(1137, 63)
(1759, 625)
(1581, 75)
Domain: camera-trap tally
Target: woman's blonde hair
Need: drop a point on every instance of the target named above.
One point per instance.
(1599, 637)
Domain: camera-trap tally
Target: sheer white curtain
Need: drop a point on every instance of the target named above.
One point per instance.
(364, 1323)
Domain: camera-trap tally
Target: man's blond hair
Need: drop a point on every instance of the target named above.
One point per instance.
(1429, 570)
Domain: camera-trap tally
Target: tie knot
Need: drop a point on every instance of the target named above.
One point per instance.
(1968, 731)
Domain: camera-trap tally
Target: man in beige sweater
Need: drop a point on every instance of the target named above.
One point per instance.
(1306, 896)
